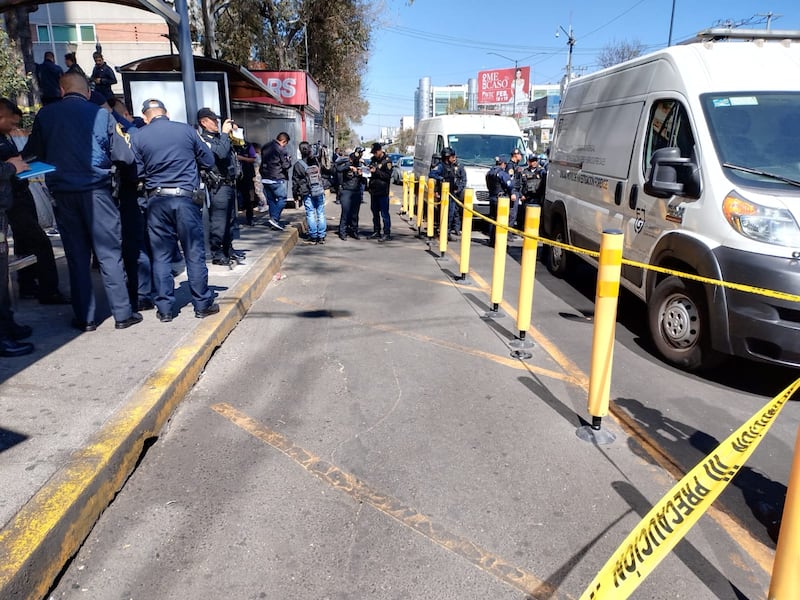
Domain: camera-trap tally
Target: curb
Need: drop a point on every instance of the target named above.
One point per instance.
(40, 539)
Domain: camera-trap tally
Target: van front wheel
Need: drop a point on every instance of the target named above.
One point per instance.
(678, 320)
(556, 259)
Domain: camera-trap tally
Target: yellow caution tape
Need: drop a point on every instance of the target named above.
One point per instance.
(741, 287)
(680, 508)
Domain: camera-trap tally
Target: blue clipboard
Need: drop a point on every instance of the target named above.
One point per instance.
(36, 168)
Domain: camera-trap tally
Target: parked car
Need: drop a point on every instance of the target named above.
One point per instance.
(394, 156)
(404, 164)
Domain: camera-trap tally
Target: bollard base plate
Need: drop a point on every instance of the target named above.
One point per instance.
(599, 437)
(521, 343)
(493, 314)
(521, 354)
(462, 279)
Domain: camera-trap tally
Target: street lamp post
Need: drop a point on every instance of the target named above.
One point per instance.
(516, 66)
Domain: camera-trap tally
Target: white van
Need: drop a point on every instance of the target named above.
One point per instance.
(694, 153)
(476, 138)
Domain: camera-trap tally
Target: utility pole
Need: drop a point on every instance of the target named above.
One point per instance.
(570, 44)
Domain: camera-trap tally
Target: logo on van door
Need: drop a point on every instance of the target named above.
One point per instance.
(638, 224)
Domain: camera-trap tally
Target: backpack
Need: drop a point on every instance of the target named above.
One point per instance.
(314, 175)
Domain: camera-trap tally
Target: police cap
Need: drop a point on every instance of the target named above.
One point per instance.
(152, 103)
(359, 150)
(206, 113)
(448, 151)
(501, 159)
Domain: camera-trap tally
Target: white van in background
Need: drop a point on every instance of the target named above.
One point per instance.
(476, 138)
(694, 153)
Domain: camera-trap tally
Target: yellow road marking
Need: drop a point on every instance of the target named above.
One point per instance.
(358, 490)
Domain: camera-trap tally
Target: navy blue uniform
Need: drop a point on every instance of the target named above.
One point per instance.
(351, 192)
(167, 155)
(456, 176)
(222, 210)
(82, 140)
(379, 182)
(498, 182)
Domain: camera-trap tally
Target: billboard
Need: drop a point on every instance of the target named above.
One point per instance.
(294, 88)
(501, 86)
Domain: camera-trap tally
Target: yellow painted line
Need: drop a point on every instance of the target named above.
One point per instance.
(409, 517)
(39, 540)
(761, 553)
(512, 363)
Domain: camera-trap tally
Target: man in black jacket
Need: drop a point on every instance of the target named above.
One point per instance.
(39, 280)
(380, 169)
(275, 165)
(351, 186)
(102, 76)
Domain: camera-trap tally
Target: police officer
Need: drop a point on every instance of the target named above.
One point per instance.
(452, 172)
(39, 280)
(498, 182)
(351, 186)
(82, 140)
(532, 187)
(221, 186)
(380, 168)
(167, 155)
(514, 169)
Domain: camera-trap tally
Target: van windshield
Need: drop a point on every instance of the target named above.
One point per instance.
(475, 149)
(759, 131)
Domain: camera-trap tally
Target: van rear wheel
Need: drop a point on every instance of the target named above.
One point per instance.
(678, 319)
(556, 259)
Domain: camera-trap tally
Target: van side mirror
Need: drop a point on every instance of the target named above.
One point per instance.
(672, 175)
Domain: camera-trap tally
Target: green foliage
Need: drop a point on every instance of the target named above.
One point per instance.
(275, 35)
(12, 80)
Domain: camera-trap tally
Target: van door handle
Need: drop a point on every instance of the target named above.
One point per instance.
(618, 193)
(633, 197)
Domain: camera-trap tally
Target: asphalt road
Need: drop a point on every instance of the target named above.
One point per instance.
(364, 433)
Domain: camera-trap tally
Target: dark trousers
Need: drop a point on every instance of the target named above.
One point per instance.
(220, 219)
(90, 221)
(40, 279)
(6, 316)
(351, 205)
(380, 211)
(172, 220)
(135, 249)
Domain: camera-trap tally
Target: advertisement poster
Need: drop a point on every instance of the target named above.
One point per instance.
(504, 86)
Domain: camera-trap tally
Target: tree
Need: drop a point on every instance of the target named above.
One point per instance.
(455, 105)
(275, 34)
(617, 52)
(14, 78)
(406, 139)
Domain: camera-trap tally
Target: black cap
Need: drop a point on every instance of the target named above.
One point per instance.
(501, 159)
(375, 147)
(358, 150)
(206, 112)
(152, 103)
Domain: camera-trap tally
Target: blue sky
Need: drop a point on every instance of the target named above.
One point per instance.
(449, 41)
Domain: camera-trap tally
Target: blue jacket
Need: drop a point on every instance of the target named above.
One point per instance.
(167, 154)
(107, 78)
(82, 140)
(48, 74)
(498, 182)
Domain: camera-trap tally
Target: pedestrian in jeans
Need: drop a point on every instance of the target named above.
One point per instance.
(275, 165)
(307, 184)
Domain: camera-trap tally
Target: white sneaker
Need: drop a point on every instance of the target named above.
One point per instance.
(275, 225)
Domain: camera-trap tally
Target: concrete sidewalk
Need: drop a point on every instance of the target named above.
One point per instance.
(78, 412)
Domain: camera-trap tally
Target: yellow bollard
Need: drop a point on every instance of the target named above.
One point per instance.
(466, 233)
(420, 203)
(785, 575)
(499, 265)
(605, 321)
(444, 205)
(431, 208)
(410, 197)
(527, 280)
(404, 203)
